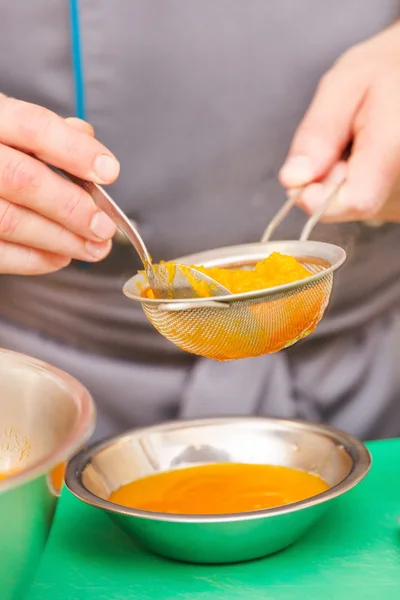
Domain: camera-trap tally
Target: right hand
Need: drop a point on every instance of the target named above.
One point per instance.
(45, 220)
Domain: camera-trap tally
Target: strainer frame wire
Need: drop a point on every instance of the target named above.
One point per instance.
(287, 207)
(223, 302)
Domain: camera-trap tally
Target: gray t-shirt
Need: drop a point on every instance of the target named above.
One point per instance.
(199, 101)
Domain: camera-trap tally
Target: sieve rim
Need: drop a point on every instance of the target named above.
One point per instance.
(337, 251)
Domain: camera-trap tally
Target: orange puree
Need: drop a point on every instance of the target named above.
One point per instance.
(57, 476)
(219, 489)
(259, 328)
(276, 269)
(5, 474)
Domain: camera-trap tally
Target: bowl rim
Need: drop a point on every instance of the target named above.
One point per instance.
(306, 246)
(358, 452)
(80, 432)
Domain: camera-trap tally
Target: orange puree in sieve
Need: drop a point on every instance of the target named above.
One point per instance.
(276, 269)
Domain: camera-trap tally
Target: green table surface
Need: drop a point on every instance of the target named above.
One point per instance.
(352, 553)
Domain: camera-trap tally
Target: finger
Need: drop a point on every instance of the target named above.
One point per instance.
(317, 194)
(37, 130)
(29, 183)
(20, 260)
(374, 164)
(80, 125)
(370, 174)
(20, 225)
(326, 128)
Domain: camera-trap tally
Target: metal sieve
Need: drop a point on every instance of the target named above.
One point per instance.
(253, 323)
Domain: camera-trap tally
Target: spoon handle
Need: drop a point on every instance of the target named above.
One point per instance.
(112, 210)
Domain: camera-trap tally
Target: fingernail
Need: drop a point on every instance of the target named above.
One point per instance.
(313, 196)
(97, 251)
(292, 192)
(340, 204)
(317, 194)
(102, 227)
(296, 171)
(338, 173)
(106, 168)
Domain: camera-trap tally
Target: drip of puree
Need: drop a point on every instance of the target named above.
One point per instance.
(6, 474)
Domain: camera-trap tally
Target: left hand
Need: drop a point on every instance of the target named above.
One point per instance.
(357, 101)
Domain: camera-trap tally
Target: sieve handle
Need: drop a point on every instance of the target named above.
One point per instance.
(280, 215)
(313, 220)
(287, 207)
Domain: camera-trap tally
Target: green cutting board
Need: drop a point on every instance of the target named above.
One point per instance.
(353, 553)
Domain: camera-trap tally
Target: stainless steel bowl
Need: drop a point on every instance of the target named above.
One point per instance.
(341, 460)
(45, 416)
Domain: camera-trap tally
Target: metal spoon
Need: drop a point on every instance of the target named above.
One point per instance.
(163, 285)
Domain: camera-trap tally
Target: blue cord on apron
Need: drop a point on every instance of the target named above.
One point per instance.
(77, 64)
(77, 70)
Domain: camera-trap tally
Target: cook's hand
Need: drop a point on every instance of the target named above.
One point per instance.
(357, 101)
(45, 220)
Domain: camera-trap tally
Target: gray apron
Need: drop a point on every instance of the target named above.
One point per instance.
(199, 101)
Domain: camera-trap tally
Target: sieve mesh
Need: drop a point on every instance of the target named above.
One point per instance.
(247, 328)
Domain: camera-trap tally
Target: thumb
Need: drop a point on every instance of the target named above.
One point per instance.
(326, 127)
